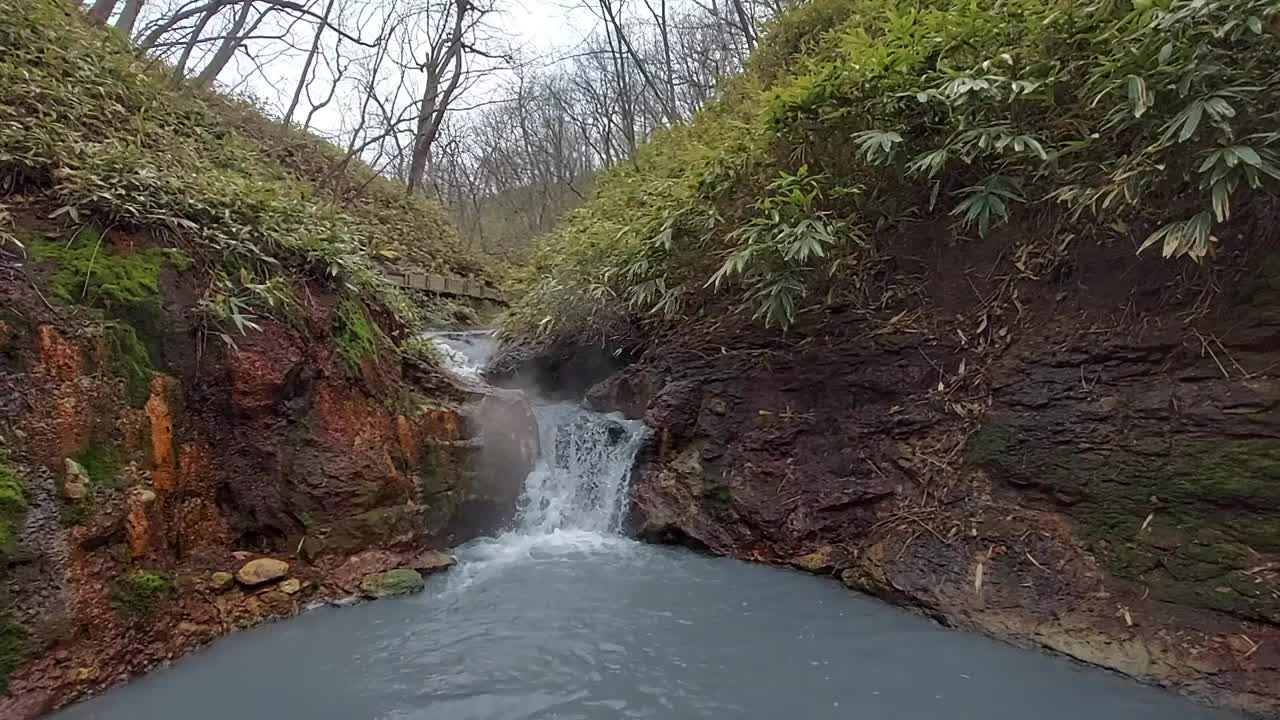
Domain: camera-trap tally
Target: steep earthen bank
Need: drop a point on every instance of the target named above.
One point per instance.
(156, 460)
(1074, 448)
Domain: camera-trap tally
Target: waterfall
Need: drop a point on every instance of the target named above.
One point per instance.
(576, 496)
(581, 480)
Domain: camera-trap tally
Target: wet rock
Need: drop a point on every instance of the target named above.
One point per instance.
(262, 571)
(432, 561)
(75, 485)
(221, 581)
(401, 581)
(291, 586)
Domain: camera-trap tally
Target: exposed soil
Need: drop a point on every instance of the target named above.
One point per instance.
(1071, 448)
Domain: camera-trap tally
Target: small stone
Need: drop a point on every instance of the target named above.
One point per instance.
(432, 561)
(221, 581)
(76, 484)
(717, 406)
(818, 561)
(241, 555)
(291, 586)
(261, 571)
(145, 496)
(400, 581)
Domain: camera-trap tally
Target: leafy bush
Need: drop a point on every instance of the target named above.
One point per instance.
(1154, 117)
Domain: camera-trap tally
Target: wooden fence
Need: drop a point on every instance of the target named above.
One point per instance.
(445, 285)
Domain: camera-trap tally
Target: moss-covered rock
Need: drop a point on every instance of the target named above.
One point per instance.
(355, 336)
(401, 581)
(130, 361)
(1184, 516)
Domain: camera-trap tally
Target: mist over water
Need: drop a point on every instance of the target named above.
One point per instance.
(563, 618)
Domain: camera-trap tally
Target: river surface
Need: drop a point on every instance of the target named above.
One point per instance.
(563, 618)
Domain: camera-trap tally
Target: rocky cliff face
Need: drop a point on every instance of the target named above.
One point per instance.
(154, 460)
(1080, 452)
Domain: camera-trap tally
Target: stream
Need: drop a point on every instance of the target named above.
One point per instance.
(562, 617)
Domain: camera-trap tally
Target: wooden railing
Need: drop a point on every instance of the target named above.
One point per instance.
(445, 285)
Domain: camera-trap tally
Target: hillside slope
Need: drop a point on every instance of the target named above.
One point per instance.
(200, 366)
(884, 308)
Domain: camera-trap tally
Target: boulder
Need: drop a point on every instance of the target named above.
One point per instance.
(400, 581)
(221, 581)
(432, 561)
(291, 586)
(262, 571)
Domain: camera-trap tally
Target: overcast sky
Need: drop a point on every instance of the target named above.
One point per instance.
(540, 31)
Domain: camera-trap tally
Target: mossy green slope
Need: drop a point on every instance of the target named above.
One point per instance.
(93, 132)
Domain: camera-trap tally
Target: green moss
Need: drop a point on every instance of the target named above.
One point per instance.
(718, 496)
(1264, 282)
(139, 592)
(13, 502)
(355, 335)
(1183, 519)
(130, 361)
(103, 462)
(15, 644)
(88, 271)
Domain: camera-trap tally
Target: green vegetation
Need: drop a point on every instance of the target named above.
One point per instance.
(1149, 122)
(91, 272)
(138, 593)
(102, 463)
(1184, 518)
(13, 502)
(14, 646)
(130, 361)
(355, 334)
(103, 136)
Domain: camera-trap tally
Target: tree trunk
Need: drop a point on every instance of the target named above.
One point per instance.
(180, 67)
(128, 16)
(306, 67)
(227, 50)
(436, 102)
(101, 11)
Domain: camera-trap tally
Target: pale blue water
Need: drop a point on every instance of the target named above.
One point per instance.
(563, 619)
